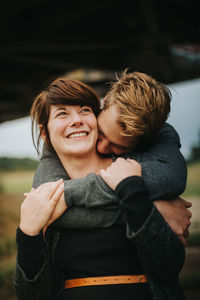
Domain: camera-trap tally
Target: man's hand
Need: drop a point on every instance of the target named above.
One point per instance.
(119, 170)
(177, 215)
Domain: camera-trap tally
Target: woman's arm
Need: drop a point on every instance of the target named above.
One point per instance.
(34, 276)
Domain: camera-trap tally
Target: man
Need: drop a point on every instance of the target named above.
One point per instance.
(134, 110)
(132, 120)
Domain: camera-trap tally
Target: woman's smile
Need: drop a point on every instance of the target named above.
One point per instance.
(77, 134)
(69, 124)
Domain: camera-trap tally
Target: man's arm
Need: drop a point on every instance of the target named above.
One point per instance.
(163, 170)
(163, 166)
(78, 192)
(90, 201)
(81, 194)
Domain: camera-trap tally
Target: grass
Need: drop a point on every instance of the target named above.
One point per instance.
(7, 248)
(16, 182)
(193, 180)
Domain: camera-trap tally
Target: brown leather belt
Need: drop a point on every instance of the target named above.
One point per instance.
(122, 279)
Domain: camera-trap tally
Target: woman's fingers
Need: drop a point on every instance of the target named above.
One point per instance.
(26, 194)
(57, 193)
(49, 188)
(39, 205)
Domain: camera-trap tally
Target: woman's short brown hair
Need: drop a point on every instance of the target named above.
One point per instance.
(144, 103)
(60, 91)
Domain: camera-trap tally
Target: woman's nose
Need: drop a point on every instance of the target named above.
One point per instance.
(76, 120)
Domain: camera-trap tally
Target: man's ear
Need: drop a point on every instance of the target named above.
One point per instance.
(42, 133)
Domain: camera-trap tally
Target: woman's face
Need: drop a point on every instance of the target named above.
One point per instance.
(72, 130)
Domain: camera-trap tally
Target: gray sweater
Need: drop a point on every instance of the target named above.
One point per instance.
(93, 204)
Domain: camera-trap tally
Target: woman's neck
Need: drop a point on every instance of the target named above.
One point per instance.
(78, 167)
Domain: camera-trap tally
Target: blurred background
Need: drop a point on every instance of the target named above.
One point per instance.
(91, 41)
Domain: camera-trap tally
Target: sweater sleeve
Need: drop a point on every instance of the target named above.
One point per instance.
(163, 166)
(164, 173)
(30, 247)
(159, 249)
(41, 281)
(134, 200)
(91, 202)
(78, 192)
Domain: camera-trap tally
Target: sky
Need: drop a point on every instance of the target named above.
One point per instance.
(16, 141)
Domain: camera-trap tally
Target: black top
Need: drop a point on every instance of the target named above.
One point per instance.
(96, 251)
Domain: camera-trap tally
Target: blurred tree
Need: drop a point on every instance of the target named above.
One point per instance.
(195, 151)
(12, 163)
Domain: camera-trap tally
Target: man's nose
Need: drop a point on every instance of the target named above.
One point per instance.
(103, 146)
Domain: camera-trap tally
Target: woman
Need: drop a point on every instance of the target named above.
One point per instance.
(70, 128)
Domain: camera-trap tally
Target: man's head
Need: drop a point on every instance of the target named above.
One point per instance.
(134, 109)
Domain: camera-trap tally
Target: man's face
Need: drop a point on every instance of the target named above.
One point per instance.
(110, 139)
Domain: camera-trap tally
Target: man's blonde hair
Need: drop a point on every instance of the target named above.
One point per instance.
(144, 103)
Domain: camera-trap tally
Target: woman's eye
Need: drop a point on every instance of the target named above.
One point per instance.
(62, 113)
(86, 110)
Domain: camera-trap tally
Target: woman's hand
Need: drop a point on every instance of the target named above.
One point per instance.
(119, 170)
(39, 205)
(60, 208)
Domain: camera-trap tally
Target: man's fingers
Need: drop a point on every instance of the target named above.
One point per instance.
(182, 239)
(102, 173)
(189, 214)
(26, 193)
(188, 204)
(186, 233)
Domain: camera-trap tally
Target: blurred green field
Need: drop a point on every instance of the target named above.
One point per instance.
(16, 182)
(193, 180)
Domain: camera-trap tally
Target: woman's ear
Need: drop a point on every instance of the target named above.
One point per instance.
(42, 133)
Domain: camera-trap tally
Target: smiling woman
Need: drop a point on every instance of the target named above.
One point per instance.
(72, 130)
(65, 116)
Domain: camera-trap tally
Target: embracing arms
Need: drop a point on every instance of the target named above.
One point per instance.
(164, 173)
(163, 170)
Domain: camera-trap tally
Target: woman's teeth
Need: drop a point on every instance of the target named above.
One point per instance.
(78, 134)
